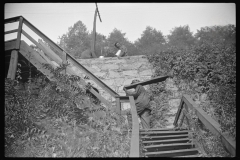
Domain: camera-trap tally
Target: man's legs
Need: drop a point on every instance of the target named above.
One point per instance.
(146, 118)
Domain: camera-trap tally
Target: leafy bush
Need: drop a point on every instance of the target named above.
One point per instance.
(207, 68)
(60, 121)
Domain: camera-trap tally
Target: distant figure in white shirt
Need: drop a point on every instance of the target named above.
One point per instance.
(122, 50)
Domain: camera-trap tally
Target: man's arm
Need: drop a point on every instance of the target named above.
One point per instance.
(129, 93)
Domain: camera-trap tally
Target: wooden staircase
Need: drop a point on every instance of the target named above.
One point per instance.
(167, 143)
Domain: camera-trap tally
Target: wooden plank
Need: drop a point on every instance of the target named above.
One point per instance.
(178, 113)
(46, 58)
(11, 31)
(19, 33)
(181, 140)
(39, 46)
(92, 76)
(123, 98)
(164, 132)
(69, 69)
(164, 137)
(212, 125)
(13, 65)
(42, 35)
(76, 63)
(134, 151)
(167, 147)
(187, 116)
(82, 68)
(181, 121)
(157, 129)
(118, 106)
(9, 45)
(12, 20)
(147, 82)
(36, 60)
(64, 58)
(49, 52)
(195, 155)
(173, 153)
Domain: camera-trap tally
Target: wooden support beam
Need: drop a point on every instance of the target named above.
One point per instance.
(13, 65)
(147, 82)
(19, 33)
(134, 151)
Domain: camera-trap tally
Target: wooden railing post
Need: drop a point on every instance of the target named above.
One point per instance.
(207, 121)
(64, 58)
(13, 65)
(134, 151)
(118, 105)
(19, 33)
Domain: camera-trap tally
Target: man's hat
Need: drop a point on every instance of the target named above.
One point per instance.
(135, 81)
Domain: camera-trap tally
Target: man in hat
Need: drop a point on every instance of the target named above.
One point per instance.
(122, 50)
(143, 104)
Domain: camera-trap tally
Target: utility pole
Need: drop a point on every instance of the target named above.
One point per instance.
(94, 31)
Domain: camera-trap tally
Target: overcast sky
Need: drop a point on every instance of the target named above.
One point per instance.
(54, 19)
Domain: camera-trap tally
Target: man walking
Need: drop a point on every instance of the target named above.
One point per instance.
(142, 103)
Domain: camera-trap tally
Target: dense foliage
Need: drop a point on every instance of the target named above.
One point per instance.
(59, 120)
(204, 68)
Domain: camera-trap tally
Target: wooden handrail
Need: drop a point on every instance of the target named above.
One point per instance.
(11, 20)
(134, 151)
(11, 31)
(209, 123)
(147, 82)
(60, 50)
(68, 56)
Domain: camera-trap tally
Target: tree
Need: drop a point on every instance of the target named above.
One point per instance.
(76, 40)
(181, 37)
(116, 36)
(151, 41)
(100, 43)
(218, 34)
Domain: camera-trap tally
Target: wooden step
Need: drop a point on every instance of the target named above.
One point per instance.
(150, 138)
(157, 129)
(195, 155)
(167, 147)
(173, 153)
(168, 141)
(156, 133)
